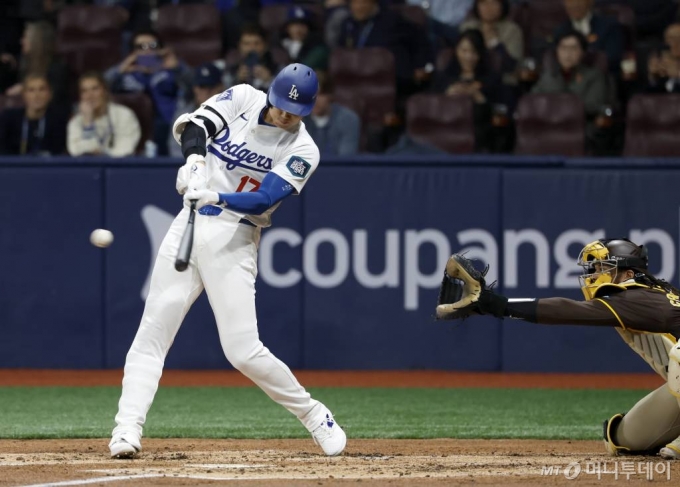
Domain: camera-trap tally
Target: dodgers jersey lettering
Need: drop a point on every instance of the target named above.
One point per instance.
(244, 150)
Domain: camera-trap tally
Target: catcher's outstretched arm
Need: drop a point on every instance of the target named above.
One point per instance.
(464, 292)
(561, 311)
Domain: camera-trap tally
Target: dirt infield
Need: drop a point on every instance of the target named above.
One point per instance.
(297, 462)
(198, 462)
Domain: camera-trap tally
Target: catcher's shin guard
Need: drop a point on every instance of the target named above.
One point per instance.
(609, 428)
(673, 379)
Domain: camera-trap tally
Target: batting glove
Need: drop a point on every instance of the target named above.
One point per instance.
(182, 182)
(203, 197)
(197, 177)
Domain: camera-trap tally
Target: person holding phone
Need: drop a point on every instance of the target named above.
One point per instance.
(253, 64)
(155, 70)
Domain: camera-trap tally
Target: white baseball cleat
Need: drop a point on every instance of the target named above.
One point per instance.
(330, 436)
(671, 451)
(124, 446)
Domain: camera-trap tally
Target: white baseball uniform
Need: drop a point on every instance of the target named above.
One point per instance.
(223, 262)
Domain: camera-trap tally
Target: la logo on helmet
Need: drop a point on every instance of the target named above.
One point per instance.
(293, 93)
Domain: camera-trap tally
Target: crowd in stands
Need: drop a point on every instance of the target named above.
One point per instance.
(571, 77)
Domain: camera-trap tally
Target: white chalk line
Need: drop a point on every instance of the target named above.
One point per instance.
(225, 465)
(96, 480)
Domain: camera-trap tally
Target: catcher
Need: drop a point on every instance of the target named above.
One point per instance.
(619, 292)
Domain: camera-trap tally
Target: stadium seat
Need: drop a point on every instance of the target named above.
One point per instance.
(88, 37)
(412, 13)
(550, 124)
(368, 74)
(652, 126)
(445, 122)
(142, 105)
(193, 31)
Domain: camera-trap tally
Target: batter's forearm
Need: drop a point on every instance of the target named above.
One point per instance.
(254, 203)
(272, 190)
(193, 140)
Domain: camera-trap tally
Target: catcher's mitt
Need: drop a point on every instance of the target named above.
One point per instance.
(464, 292)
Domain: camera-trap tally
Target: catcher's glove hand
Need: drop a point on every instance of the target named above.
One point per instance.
(464, 292)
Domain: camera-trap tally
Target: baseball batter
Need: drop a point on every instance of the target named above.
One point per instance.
(621, 293)
(246, 151)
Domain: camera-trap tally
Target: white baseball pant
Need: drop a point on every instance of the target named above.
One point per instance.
(224, 262)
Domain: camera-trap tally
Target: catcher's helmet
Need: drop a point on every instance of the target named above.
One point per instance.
(602, 259)
(294, 90)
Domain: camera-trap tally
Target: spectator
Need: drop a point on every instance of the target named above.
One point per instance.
(590, 84)
(573, 76)
(155, 70)
(336, 11)
(445, 16)
(501, 35)
(369, 25)
(468, 74)
(207, 83)
(335, 129)
(39, 128)
(236, 14)
(101, 127)
(664, 68)
(601, 33)
(254, 64)
(301, 42)
(37, 56)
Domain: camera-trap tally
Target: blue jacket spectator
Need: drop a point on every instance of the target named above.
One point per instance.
(602, 33)
(335, 129)
(156, 71)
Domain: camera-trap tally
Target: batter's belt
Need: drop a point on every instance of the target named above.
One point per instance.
(211, 210)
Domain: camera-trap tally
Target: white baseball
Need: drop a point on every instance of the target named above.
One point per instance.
(101, 238)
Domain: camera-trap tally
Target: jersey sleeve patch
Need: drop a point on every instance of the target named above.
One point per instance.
(226, 95)
(298, 167)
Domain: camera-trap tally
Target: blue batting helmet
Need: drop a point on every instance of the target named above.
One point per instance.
(294, 90)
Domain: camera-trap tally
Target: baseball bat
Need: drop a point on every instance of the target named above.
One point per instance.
(184, 251)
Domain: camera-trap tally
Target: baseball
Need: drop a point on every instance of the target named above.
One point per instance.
(101, 238)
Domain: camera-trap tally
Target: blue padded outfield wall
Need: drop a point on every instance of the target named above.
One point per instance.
(350, 270)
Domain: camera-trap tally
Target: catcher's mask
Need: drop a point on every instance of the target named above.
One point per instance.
(602, 259)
